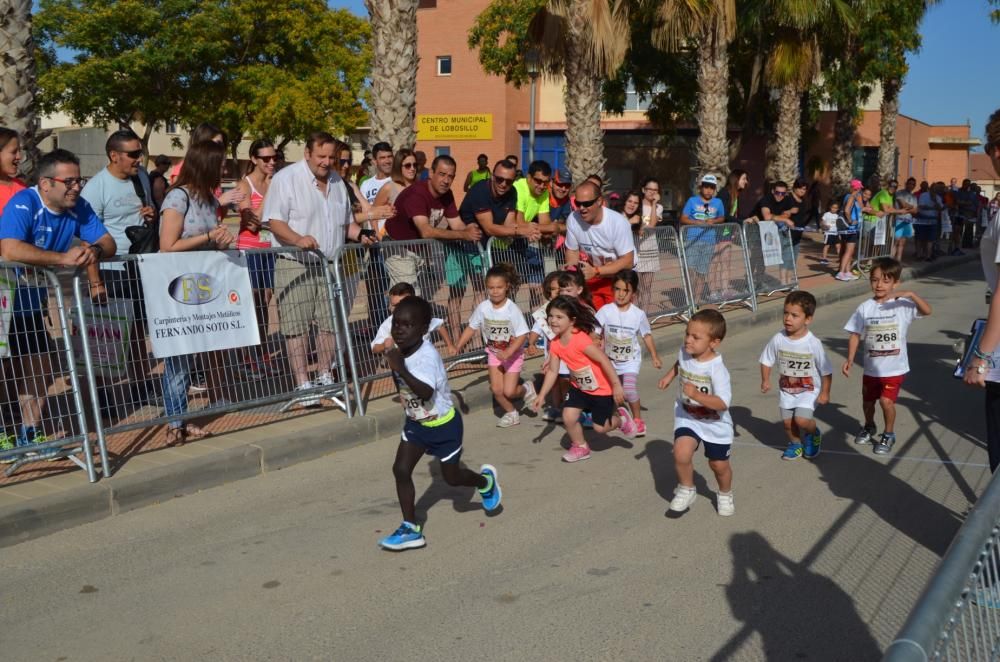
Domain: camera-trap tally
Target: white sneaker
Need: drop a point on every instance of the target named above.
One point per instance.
(325, 379)
(683, 498)
(725, 504)
(530, 394)
(309, 400)
(510, 419)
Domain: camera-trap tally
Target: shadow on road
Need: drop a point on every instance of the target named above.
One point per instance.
(660, 455)
(797, 613)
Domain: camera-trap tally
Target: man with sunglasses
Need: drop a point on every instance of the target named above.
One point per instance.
(598, 242)
(560, 201)
(121, 195)
(38, 228)
(382, 155)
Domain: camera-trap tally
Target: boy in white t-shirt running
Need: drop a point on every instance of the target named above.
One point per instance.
(882, 323)
(804, 375)
(701, 414)
(433, 425)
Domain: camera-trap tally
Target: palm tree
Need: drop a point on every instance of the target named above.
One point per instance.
(791, 67)
(17, 78)
(394, 71)
(712, 23)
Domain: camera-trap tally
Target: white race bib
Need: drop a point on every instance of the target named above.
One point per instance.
(414, 407)
(704, 384)
(584, 379)
(620, 349)
(497, 333)
(883, 339)
(795, 372)
(543, 322)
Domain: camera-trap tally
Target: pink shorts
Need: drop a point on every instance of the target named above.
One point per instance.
(513, 364)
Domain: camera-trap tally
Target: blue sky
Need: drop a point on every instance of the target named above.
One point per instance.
(950, 78)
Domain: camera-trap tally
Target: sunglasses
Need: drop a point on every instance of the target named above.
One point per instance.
(134, 154)
(69, 182)
(344, 162)
(541, 182)
(586, 204)
(502, 180)
(410, 165)
(779, 194)
(267, 159)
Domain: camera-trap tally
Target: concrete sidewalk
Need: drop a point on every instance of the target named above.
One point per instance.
(39, 507)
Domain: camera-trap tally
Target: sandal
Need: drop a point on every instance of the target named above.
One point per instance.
(193, 432)
(176, 436)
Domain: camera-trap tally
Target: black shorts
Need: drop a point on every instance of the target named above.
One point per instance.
(712, 451)
(601, 407)
(442, 441)
(851, 238)
(832, 240)
(28, 335)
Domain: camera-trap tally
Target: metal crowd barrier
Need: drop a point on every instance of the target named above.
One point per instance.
(664, 288)
(42, 413)
(771, 279)
(875, 239)
(717, 265)
(130, 390)
(448, 274)
(958, 615)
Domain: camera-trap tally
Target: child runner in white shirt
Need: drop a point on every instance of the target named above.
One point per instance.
(624, 324)
(540, 331)
(432, 426)
(701, 414)
(831, 234)
(804, 375)
(383, 337)
(504, 331)
(882, 323)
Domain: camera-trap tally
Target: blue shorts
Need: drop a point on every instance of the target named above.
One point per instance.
(261, 267)
(712, 451)
(699, 255)
(903, 230)
(442, 441)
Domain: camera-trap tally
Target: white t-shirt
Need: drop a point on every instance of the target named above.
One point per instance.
(801, 365)
(371, 187)
(498, 325)
(883, 329)
(426, 365)
(385, 330)
(989, 250)
(622, 331)
(602, 243)
(294, 197)
(829, 222)
(709, 377)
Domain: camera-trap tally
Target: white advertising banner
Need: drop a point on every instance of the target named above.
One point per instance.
(770, 243)
(8, 287)
(198, 302)
(880, 227)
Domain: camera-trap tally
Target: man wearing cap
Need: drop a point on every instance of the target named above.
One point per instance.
(560, 202)
(702, 210)
(599, 242)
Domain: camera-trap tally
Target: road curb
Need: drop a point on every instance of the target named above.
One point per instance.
(125, 492)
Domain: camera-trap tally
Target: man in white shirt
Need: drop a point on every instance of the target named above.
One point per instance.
(382, 155)
(307, 207)
(598, 242)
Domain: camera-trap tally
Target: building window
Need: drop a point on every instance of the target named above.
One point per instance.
(636, 101)
(444, 65)
(442, 150)
(427, 4)
(171, 127)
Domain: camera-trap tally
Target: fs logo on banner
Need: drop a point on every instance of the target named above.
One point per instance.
(198, 302)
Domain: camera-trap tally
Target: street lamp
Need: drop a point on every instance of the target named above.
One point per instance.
(531, 64)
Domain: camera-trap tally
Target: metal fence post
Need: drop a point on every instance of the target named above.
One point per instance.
(88, 363)
(342, 316)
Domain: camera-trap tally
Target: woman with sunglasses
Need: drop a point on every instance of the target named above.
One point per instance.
(404, 173)
(253, 235)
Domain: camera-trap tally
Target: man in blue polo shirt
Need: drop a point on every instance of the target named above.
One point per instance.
(37, 227)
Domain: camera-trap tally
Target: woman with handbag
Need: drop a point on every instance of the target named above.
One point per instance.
(189, 222)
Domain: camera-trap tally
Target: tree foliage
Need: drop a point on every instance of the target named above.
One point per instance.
(501, 35)
(255, 67)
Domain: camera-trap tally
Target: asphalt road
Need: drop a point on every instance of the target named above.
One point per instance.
(822, 560)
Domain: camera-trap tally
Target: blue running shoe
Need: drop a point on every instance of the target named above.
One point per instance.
(407, 536)
(587, 420)
(491, 497)
(793, 452)
(812, 443)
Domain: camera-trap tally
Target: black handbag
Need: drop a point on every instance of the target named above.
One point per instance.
(143, 238)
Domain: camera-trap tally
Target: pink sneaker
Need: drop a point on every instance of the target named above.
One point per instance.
(640, 427)
(576, 453)
(628, 426)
